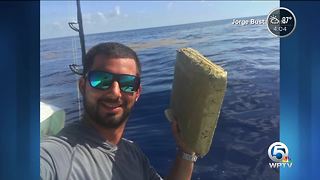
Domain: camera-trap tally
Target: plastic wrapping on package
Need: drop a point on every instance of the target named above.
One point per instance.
(197, 94)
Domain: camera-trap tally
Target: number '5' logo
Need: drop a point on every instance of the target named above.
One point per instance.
(277, 151)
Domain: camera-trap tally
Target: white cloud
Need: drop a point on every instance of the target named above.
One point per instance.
(92, 21)
(102, 16)
(169, 5)
(73, 19)
(57, 25)
(87, 18)
(117, 10)
(96, 17)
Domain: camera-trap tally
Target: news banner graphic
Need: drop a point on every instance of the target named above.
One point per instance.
(281, 22)
(278, 152)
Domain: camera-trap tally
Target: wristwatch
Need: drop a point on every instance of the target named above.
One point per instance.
(189, 157)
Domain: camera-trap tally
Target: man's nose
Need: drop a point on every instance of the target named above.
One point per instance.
(115, 89)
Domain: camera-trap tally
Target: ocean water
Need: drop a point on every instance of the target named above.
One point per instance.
(249, 119)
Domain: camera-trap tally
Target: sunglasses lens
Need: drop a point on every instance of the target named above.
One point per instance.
(100, 80)
(127, 83)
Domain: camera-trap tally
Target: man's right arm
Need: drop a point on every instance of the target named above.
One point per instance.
(54, 158)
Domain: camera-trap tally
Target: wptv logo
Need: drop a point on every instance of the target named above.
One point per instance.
(279, 154)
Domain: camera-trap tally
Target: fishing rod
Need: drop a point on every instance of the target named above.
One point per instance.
(77, 69)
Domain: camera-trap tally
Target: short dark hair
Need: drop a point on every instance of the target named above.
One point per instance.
(110, 50)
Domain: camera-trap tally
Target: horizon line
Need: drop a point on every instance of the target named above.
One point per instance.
(147, 28)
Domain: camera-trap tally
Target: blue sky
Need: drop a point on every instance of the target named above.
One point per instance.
(108, 16)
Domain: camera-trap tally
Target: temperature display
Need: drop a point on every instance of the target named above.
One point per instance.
(285, 20)
(281, 22)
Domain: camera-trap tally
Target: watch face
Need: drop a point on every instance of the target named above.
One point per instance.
(281, 22)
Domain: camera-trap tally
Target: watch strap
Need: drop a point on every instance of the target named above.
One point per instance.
(189, 157)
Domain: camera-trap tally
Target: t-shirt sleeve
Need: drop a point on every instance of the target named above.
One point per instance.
(47, 170)
(54, 159)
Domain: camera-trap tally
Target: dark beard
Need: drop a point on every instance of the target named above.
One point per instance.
(108, 120)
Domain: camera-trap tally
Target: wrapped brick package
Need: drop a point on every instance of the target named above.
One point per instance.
(197, 93)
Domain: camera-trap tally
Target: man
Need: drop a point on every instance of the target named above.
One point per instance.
(94, 148)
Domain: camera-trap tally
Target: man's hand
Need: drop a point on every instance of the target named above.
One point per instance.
(179, 140)
(182, 169)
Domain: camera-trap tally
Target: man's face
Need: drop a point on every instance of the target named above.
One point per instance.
(109, 108)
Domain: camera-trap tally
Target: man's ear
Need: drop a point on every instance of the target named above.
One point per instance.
(82, 85)
(138, 93)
